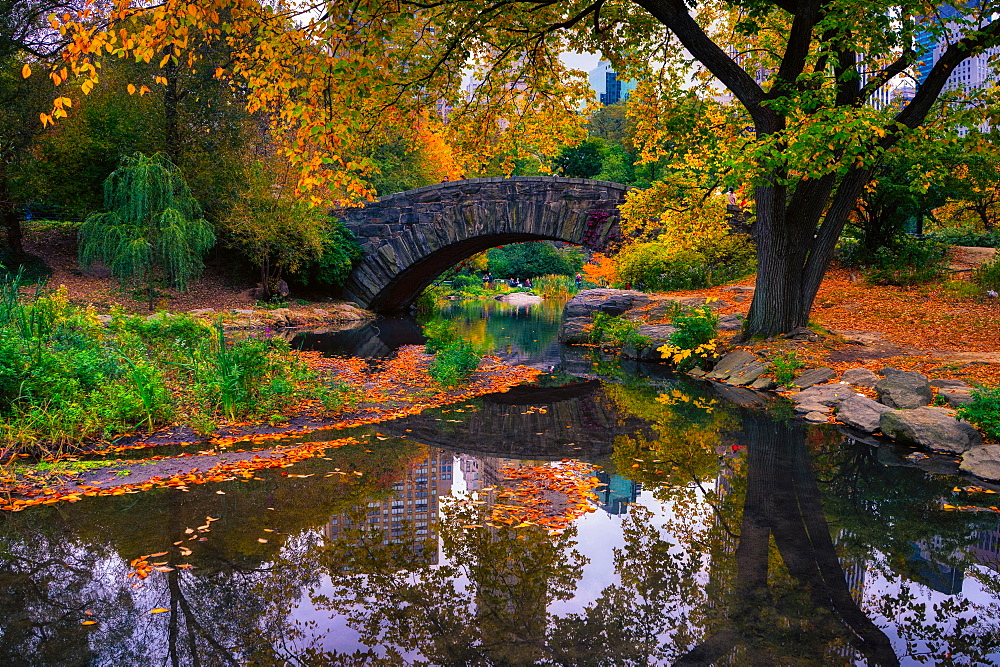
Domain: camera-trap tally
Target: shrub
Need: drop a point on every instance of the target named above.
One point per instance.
(454, 362)
(984, 411)
(616, 330)
(662, 266)
(909, 261)
(987, 275)
(439, 333)
(784, 365)
(967, 237)
(694, 340)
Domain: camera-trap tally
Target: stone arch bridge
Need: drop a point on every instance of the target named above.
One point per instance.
(410, 238)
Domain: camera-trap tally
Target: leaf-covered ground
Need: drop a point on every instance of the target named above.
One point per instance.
(925, 327)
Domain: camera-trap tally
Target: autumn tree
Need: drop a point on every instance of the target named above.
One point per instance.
(25, 39)
(801, 72)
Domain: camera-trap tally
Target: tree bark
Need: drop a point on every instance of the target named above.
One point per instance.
(8, 213)
(170, 103)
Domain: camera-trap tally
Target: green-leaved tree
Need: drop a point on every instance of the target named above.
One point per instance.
(151, 227)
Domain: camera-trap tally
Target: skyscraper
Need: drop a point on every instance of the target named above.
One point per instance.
(607, 86)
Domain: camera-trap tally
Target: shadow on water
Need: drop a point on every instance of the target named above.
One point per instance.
(721, 536)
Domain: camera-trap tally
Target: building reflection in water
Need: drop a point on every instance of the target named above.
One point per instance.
(413, 508)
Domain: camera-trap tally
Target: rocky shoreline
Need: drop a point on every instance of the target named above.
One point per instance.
(901, 409)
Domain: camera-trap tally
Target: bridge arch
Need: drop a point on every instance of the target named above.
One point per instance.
(410, 238)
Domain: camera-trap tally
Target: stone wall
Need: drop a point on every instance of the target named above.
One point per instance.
(411, 237)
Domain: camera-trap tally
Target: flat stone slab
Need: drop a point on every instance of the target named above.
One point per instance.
(520, 299)
(657, 332)
(731, 322)
(956, 396)
(747, 373)
(813, 376)
(604, 300)
(730, 363)
(932, 428)
(829, 395)
(861, 412)
(982, 461)
(859, 377)
(903, 390)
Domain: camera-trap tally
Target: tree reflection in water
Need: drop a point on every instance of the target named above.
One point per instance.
(756, 553)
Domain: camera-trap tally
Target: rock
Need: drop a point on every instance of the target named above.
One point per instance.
(242, 311)
(956, 396)
(320, 313)
(811, 376)
(763, 384)
(575, 330)
(948, 383)
(802, 333)
(520, 299)
(829, 395)
(696, 372)
(610, 301)
(739, 289)
(730, 363)
(645, 353)
(349, 312)
(104, 319)
(662, 307)
(747, 373)
(903, 390)
(658, 333)
(731, 322)
(699, 301)
(738, 395)
(815, 417)
(932, 428)
(861, 412)
(982, 461)
(281, 289)
(158, 317)
(810, 406)
(859, 377)
(281, 315)
(202, 311)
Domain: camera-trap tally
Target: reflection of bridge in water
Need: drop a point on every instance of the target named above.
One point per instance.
(543, 423)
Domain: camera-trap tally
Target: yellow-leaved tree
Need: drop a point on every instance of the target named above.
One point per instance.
(799, 73)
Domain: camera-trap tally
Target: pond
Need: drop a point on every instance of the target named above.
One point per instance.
(720, 534)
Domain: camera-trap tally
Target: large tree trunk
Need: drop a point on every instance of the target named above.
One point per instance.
(8, 213)
(170, 102)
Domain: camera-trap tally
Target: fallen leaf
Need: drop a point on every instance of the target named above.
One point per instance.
(158, 610)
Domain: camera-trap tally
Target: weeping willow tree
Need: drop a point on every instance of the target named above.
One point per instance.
(151, 227)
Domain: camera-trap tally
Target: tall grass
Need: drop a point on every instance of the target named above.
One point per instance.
(66, 377)
(554, 286)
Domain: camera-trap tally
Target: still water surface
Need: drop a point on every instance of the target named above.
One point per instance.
(723, 535)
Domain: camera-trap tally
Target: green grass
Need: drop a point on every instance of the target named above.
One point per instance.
(66, 378)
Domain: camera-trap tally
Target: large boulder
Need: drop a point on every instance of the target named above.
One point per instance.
(575, 330)
(932, 428)
(983, 461)
(861, 412)
(903, 390)
(604, 300)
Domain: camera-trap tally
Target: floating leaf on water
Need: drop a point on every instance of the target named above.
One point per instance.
(88, 622)
(262, 540)
(158, 610)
